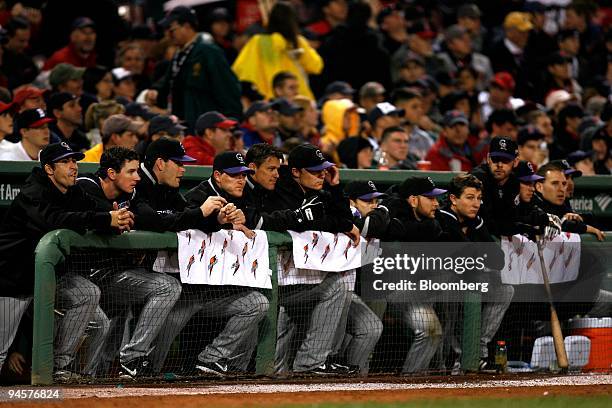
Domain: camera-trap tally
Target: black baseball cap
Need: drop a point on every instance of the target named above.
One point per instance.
(82, 22)
(58, 99)
(578, 156)
(135, 109)
(167, 149)
(340, 87)
(568, 170)
(32, 118)
(528, 133)
(231, 163)
(308, 157)
(163, 123)
(213, 119)
(285, 108)
(454, 117)
(502, 146)
(180, 14)
(525, 172)
(363, 190)
(259, 106)
(384, 109)
(57, 151)
(414, 186)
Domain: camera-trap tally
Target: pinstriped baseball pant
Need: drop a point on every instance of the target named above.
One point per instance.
(324, 304)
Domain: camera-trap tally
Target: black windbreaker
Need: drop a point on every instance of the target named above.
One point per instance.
(38, 209)
(289, 195)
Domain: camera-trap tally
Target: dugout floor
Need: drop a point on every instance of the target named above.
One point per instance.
(276, 393)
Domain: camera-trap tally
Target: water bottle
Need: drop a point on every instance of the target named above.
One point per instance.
(501, 357)
(383, 162)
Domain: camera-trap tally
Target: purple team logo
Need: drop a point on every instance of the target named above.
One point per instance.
(335, 240)
(306, 253)
(188, 235)
(224, 246)
(253, 239)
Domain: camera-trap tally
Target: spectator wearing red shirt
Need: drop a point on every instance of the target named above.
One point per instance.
(213, 136)
(334, 13)
(80, 52)
(452, 152)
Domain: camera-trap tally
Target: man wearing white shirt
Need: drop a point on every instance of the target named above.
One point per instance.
(34, 130)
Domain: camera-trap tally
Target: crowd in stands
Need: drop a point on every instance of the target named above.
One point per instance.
(515, 96)
(426, 83)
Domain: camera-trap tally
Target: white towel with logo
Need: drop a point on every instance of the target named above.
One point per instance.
(225, 257)
(522, 262)
(317, 253)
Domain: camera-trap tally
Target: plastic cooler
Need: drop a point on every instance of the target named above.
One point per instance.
(599, 331)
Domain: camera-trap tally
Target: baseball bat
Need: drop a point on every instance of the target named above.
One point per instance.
(557, 334)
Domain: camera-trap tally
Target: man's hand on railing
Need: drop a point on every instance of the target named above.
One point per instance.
(230, 214)
(123, 219)
(598, 233)
(354, 235)
(572, 217)
(212, 204)
(247, 232)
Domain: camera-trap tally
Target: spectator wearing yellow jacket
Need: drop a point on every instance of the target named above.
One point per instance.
(281, 49)
(340, 120)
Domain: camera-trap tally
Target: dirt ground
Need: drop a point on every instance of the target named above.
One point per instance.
(274, 395)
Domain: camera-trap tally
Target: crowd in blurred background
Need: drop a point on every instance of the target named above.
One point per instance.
(421, 84)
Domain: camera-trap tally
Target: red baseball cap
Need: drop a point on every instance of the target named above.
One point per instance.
(7, 107)
(26, 93)
(504, 80)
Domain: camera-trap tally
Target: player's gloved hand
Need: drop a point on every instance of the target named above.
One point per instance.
(553, 228)
(311, 209)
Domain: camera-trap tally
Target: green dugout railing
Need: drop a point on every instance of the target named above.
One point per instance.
(593, 194)
(54, 247)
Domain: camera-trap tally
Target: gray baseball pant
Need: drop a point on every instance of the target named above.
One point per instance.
(363, 330)
(245, 308)
(158, 292)
(76, 297)
(325, 302)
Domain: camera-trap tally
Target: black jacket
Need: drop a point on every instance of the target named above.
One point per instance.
(162, 208)
(404, 226)
(38, 209)
(476, 232)
(288, 195)
(90, 183)
(257, 199)
(498, 202)
(375, 224)
(560, 210)
(197, 195)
